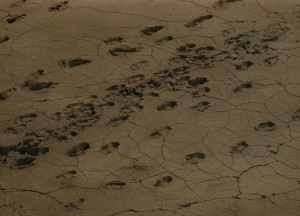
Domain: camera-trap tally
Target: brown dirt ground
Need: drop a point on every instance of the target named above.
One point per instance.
(150, 107)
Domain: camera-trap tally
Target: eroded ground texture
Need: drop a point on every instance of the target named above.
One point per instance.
(139, 107)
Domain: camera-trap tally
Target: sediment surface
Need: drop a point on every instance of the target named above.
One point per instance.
(161, 107)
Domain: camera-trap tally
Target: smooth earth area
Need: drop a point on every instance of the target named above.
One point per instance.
(150, 108)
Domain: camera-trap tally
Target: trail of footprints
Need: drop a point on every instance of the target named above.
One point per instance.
(126, 99)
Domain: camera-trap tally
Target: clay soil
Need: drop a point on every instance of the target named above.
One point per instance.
(150, 108)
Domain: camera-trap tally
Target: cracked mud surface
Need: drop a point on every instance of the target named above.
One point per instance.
(182, 107)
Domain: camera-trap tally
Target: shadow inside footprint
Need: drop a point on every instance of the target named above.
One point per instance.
(58, 6)
(246, 85)
(194, 22)
(118, 120)
(181, 70)
(5, 150)
(24, 162)
(153, 83)
(3, 39)
(11, 130)
(15, 18)
(113, 40)
(116, 184)
(204, 49)
(74, 62)
(108, 148)
(3, 96)
(78, 149)
(107, 104)
(223, 3)
(195, 158)
(6, 94)
(164, 39)
(239, 148)
(27, 146)
(266, 126)
(163, 181)
(26, 118)
(161, 132)
(197, 81)
(71, 206)
(296, 115)
(139, 65)
(35, 85)
(151, 30)
(163, 74)
(201, 92)
(186, 48)
(269, 39)
(244, 65)
(167, 105)
(271, 61)
(200, 107)
(68, 174)
(122, 50)
(135, 78)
